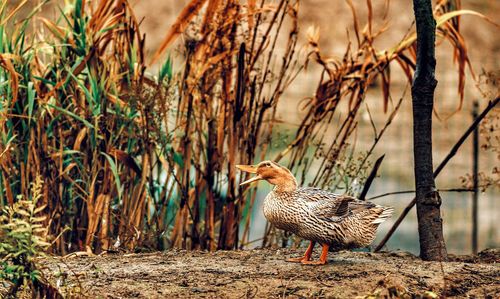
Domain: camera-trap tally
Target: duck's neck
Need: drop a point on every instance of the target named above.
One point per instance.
(288, 185)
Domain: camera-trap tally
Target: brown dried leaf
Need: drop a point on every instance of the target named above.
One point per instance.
(79, 139)
(188, 13)
(7, 64)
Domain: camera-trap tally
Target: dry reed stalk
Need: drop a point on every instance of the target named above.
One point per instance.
(210, 105)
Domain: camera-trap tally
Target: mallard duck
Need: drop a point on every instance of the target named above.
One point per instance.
(332, 220)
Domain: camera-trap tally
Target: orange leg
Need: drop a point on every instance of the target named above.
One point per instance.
(322, 258)
(307, 255)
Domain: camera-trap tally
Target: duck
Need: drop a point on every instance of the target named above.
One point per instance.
(335, 221)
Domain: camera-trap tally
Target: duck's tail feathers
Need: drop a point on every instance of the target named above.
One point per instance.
(386, 214)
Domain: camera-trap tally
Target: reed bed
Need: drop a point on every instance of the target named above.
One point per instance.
(133, 160)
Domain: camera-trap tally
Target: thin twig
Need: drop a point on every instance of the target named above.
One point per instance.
(371, 177)
(413, 191)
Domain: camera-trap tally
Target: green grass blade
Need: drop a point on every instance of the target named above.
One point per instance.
(114, 170)
(69, 113)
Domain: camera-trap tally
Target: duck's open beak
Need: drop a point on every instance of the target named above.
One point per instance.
(250, 169)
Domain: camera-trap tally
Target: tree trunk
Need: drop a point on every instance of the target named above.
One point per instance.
(430, 228)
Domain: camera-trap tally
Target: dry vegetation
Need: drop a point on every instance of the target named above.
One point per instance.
(133, 160)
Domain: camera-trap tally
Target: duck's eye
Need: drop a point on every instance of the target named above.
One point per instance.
(268, 165)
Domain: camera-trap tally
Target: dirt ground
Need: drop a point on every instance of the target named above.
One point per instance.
(265, 274)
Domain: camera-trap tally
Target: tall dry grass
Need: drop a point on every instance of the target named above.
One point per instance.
(131, 160)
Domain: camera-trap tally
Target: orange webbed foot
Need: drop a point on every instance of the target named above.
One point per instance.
(319, 262)
(322, 259)
(306, 257)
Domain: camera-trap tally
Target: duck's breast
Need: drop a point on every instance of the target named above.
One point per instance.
(281, 213)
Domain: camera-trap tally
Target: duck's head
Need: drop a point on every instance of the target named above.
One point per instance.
(272, 172)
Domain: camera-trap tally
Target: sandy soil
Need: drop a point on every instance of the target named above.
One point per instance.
(265, 274)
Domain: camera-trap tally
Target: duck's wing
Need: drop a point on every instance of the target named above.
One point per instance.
(326, 205)
(360, 205)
